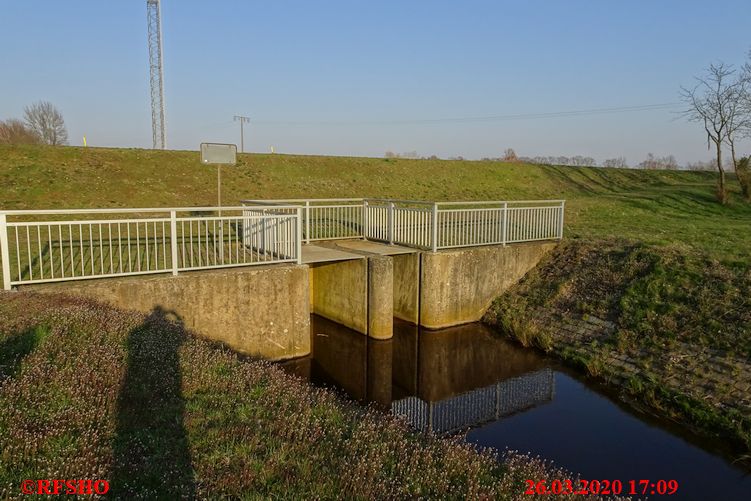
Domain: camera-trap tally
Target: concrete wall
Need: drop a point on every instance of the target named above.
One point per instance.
(339, 292)
(358, 294)
(407, 287)
(260, 311)
(458, 286)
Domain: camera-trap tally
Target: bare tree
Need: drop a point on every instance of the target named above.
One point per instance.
(659, 163)
(43, 118)
(14, 131)
(619, 163)
(710, 103)
(509, 155)
(739, 124)
(701, 165)
(741, 127)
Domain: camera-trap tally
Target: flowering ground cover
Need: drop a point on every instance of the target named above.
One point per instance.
(91, 392)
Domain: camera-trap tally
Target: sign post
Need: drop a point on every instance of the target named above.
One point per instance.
(219, 154)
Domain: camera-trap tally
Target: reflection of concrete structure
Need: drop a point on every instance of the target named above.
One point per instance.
(441, 381)
(478, 406)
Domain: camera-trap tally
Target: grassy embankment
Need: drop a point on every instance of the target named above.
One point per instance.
(650, 206)
(91, 392)
(670, 327)
(674, 285)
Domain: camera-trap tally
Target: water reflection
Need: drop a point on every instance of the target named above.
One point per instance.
(479, 406)
(468, 378)
(442, 381)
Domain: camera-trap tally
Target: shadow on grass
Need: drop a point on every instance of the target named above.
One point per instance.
(16, 347)
(151, 453)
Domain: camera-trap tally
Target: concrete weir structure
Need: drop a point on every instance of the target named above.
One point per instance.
(431, 289)
(250, 276)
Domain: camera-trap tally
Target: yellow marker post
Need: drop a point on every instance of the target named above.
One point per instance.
(84, 141)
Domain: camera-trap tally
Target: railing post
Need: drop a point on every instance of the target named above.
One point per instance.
(560, 225)
(365, 219)
(298, 244)
(173, 240)
(434, 228)
(391, 223)
(307, 221)
(505, 223)
(4, 253)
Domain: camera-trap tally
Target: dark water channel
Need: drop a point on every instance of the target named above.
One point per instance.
(467, 378)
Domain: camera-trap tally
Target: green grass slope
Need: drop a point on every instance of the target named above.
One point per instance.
(657, 207)
(99, 393)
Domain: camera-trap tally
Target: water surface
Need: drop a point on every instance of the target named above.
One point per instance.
(468, 378)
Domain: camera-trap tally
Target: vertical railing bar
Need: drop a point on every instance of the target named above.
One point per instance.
(505, 223)
(28, 250)
(173, 240)
(156, 247)
(52, 255)
(164, 243)
(119, 248)
(182, 240)
(91, 248)
(109, 238)
(206, 241)
(434, 228)
(62, 251)
(39, 244)
(146, 245)
(101, 250)
(18, 256)
(130, 258)
(198, 234)
(307, 221)
(138, 245)
(5, 252)
(80, 248)
(190, 227)
(213, 241)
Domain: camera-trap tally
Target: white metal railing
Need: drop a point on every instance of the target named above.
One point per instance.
(428, 225)
(324, 218)
(466, 224)
(57, 245)
(62, 245)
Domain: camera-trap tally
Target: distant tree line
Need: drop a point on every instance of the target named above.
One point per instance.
(652, 162)
(42, 124)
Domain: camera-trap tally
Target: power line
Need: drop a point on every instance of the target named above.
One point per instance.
(489, 118)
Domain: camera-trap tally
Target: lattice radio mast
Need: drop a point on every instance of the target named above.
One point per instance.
(156, 74)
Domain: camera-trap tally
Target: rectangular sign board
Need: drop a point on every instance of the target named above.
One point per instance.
(218, 153)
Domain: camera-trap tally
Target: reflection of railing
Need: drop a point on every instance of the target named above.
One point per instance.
(428, 225)
(63, 245)
(479, 406)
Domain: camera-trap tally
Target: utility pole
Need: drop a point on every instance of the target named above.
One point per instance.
(242, 120)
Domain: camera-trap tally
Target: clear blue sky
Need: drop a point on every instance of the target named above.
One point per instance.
(363, 64)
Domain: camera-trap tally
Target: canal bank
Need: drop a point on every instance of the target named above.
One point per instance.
(670, 331)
